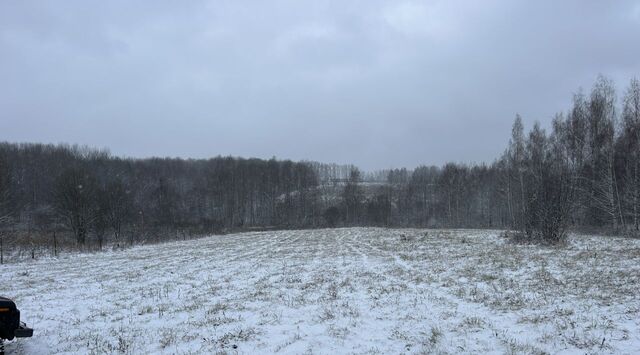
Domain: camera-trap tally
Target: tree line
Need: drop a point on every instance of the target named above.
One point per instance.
(92, 195)
(583, 172)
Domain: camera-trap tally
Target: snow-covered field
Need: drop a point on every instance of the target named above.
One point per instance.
(359, 290)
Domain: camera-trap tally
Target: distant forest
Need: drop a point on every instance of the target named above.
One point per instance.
(584, 172)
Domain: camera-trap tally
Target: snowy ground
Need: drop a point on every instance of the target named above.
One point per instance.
(360, 290)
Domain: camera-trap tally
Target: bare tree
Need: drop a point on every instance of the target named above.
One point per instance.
(5, 213)
(550, 189)
(516, 154)
(5, 189)
(117, 206)
(75, 201)
(601, 173)
(352, 197)
(629, 152)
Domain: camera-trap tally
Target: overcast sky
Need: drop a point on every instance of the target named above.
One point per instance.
(374, 83)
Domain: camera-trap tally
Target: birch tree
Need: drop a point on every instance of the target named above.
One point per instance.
(629, 151)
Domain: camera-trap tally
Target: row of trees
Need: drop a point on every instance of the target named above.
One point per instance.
(584, 172)
(90, 193)
(450, 196)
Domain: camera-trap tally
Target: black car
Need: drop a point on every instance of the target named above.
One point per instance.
(10, 324)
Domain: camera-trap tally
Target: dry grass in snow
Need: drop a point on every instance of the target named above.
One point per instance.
(357, 290)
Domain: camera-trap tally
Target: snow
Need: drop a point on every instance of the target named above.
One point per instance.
(355, 290)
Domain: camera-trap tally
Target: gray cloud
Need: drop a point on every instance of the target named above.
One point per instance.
(375, 83)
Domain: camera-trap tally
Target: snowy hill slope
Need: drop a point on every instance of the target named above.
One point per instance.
(358, 290)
